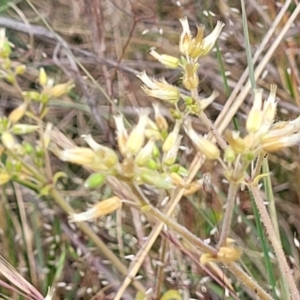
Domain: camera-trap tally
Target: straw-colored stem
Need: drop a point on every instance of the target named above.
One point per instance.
(160, 269)
(233, 189)
(248, 281)
(207, 122)
(283, 265)
(273, 214)
(142, 253)
(93, 236)
(179, 229)
(231, 108)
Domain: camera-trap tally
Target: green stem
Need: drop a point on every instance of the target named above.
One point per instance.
(283, 265)
(273, 215)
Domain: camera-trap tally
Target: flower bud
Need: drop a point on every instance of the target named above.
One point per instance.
(136, 138)
(152, 164)
(156, 179)
(269, 109)
(80, 156)
(206, 147)
(190, 77)
(172, 137)
(167, 60)
(105, 155)
(185, 42)
(237, 144)
(177, 180)
(17, 113)
(159, 89)
(28, 148)
(179, 170)
(277, 143)
(5, 48)
(122, 134)
(229, 155)
(47, 135)
(32, 95)
(145, 153)
(8, 140)
(20, 70)
(159, 118)
(204, 103)
(43, 78)
(94, 181)
(102, 208)
(255, 116)
(4, 178)
(209, 41)
(61, 89)
(23, 129)
(11, 78)
(229, 254)
(170, 156)
(192, 188)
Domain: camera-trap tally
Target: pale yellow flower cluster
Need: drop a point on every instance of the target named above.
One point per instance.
(263, 133)
(192, 49)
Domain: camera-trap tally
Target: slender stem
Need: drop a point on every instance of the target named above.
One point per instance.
(283, 265)
(94, 237)
(258, 165)
(233, 189)
(273, 216)
(248, 281)
(28, 167)
(179, 229)
(142, 253)
(207, 122)
(160, 268)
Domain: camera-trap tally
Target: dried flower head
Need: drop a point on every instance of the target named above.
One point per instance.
(198, 46)
(159, 88)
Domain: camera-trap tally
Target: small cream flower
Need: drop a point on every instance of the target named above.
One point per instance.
(206, 147)
(167, 60)
(8, 140)
(204, 103)
(78, 155)
(274, 144)
(209, 41)
(100, 209)
(43, 78)
(198, 46)
(122, 134)
(172, 137)
(106, 155)
(255, 117)
(185, 42)
(159, 88)
(269, 109)
(136, 138)
(145, 154)
(17, 113)
(170, 156)
(190, 77)
(159, 118)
